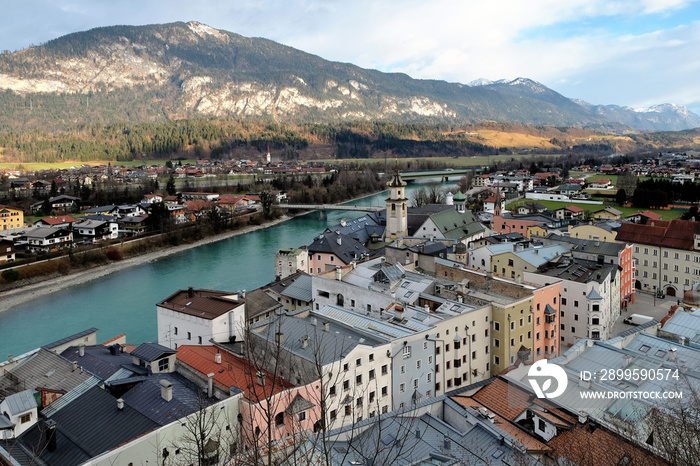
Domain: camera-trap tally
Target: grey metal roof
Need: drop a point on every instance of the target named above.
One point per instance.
(20, 402)
(101, 361)
(344, 247)
(586, 246)
(549, 309)
(593, 294)
(42, 369)
(151, 351)
(300, 289)
(78, 335)
(67, 398)
(683, 324)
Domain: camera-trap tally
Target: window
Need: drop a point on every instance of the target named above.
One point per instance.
(573, 329)
(512, 325)
(334, 415)
(403, 368)
(402, 387)
(447, 348)
(497, 343)
(346, 385)
(358, 380)
(575, 316)
(473, 354)
(371, 357)
(429, 377)
(496, 326)
(279, 419)
(358, 402)
(358, 362)
(418, 364)
(189, 335)
(346, 367)
(371, 374)
(384, 391)
(163, 365)
(371, 397)
(497, 361)
(302, 416)
(348, 410)
(406, 352)
(575, 303)
(384, 369)
(199, 340)
(331, 391)
(175, 331)
(24, 418)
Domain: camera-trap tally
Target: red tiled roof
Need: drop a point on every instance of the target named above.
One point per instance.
(233, 371)
(58, 220)
(573, 208)
(206, 304)
(503, 399)
(676, 234)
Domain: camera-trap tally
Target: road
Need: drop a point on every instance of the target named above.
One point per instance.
(645, 304)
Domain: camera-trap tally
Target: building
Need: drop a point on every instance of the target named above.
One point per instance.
(198, 317)
(605, 230)
(396, 210)
(644, 217)
(94, 231)
(333, 249)
(44, 240)
(63, 221)
(609, 213)
(513, 262)
(7, 251)
(289, 261)
(590, 298)
(666, 254)
(568, 213)
(11, 219)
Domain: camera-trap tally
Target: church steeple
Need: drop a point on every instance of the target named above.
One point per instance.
(396, 209)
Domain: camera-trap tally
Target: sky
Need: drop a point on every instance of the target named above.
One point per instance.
(633, 53)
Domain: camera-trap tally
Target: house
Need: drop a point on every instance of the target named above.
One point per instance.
(102, 210)
(609, 213)
(151, 199)
(200, 316)
(293, 292)
(44, 239)
(568, 213)
(20, 412)
(602, 183)
(62, 203)
(510, 261)
(531, 208)
(7, 251)
(331, 249)
(605, 230)
(130, 226)
(10, 218)
(290, 260)
(63, 221)
(448, 223)
(129, 210)
(644, 217)
(571, 190)
(94, 231)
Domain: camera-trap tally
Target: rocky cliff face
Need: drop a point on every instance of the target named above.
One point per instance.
(190, 69)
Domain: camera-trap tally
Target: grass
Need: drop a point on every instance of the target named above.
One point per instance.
(29, 166)
(590, 208)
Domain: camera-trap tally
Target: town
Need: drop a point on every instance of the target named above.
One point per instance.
(406, 335)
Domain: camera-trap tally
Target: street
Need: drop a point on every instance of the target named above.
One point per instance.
(644, 305)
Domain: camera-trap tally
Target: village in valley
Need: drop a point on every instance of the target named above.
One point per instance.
(404, 336)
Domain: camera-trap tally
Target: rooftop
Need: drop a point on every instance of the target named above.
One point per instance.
(206, 304)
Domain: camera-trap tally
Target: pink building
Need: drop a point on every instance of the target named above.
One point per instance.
(545, 303)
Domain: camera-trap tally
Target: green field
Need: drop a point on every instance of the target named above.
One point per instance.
(65, 165)
(590, 208)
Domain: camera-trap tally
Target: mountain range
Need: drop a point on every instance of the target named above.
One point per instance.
(184, 70)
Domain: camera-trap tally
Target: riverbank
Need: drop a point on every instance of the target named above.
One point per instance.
(24, 294)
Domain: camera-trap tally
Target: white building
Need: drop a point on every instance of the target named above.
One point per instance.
(195, 317)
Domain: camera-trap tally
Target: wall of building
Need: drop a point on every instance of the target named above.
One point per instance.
(512, 328)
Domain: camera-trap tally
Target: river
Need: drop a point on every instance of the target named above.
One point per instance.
(124, 302)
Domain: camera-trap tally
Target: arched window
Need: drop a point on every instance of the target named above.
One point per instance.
(279, 419)
(257, 431)
(340, 300)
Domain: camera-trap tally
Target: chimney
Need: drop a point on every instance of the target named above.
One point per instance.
(398, 312)
(120, 404)
(313, 321)
(305, 341)
(190, 292)
(628, 359)
(672, 354)
(75, 366)
(166, 390)
(339, 240)
(426, 308)
(417, 433)
(447, 444)
(279, 338)
(582, 417)
(210, 384)
(261, 378)
(51, 435)
(217, 358)
(242, 294)
(81, 350)
(515, 247)
(326, 327)
(338, 273)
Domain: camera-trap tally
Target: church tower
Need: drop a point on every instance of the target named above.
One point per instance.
(396, 213)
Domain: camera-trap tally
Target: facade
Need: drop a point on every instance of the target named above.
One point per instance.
(514, 263)
(11, 219)
(590, 299)
(666, 254)
(45, 240)
(94, 231)
(7, 251)
(191, 316)
(289, 261)
(333, 249)
(451, 224)
(602, 231)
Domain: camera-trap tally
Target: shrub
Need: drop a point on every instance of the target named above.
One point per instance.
(115, 254)
(10, 275)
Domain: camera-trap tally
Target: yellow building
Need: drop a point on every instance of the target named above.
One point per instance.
(512, 334)
(10, 218)
(537, 230)
(592, 232)
(512, 264)
(607, 214)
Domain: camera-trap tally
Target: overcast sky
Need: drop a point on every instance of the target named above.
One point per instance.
(626, 52)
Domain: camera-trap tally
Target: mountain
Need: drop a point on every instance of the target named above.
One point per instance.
(182, 70)
(664, 117)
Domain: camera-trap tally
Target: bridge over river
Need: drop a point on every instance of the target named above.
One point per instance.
(326, 207)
